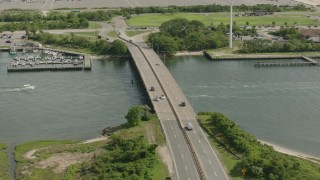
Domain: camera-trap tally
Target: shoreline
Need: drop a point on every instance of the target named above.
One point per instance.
(291, 152)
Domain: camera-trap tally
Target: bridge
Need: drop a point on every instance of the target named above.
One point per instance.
(193, 156)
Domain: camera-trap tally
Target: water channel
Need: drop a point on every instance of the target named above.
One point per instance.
(279, 105)
(66, 105)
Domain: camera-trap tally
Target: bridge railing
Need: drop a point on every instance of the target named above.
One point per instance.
(193, 153)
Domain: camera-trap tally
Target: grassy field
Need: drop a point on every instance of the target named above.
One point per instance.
(79, 50)
(112, 34)
(30, 168)
(94, 25)
(88, 34)
(228, 160)
(226, 52)
(4, 166)
(155, 20)
(134, 33)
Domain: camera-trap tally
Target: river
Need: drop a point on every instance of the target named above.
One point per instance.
(73, 105)
(279, 105)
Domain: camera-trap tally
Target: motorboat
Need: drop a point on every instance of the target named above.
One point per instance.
(28, 87)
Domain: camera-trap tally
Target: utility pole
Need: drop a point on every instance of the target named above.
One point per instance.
(230, 33)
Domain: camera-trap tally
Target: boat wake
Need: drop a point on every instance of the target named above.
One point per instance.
(26, 87)
(4, 89)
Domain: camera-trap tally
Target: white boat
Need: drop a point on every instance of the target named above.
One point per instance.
(28, 87)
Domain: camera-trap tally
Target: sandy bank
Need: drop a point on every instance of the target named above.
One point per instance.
(311, 2)
(291, 152)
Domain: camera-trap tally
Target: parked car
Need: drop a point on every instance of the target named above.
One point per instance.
(8, 41)
(162, 97)
(152, 88)
(182, 104)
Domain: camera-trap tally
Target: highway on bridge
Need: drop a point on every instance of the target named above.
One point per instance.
(192, 153)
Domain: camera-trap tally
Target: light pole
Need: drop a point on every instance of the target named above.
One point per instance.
(230, 33)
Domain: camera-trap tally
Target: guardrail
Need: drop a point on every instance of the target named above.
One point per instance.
(193, 153)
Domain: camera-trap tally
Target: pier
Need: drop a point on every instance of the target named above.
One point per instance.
(275, 64)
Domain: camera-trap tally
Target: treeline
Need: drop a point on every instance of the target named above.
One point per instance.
(181, 34)
(20, 15)
(73, 23)
(106, 15)
(215, 8)
(293, 42)
(260, 161)
(266, 46)
(123, 159)
(98, 46)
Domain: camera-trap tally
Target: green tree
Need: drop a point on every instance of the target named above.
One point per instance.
(137, 114)
(118, 47)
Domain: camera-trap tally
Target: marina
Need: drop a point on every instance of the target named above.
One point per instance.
(48, 60)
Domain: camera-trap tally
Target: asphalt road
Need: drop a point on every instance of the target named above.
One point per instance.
(208, 160)
(182, 158)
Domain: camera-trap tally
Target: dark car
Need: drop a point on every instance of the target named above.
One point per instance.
(182, 104)
(8, 41)
(152, 88)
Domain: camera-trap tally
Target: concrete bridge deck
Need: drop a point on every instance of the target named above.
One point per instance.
(192, 153)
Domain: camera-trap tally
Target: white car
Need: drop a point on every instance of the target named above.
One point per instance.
(189, 126)
(156, 98)
(162, 97)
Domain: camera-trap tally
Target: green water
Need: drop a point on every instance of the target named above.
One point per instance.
(73, 105)
(277, 104)
(280, 105)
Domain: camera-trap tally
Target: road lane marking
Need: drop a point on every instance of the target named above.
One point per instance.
(215, 174)
(209, 162)
(186, 167)
(175, 136)
(171, 127)
(182, 156)
(205, 151)
(178, 145)
(199, 141)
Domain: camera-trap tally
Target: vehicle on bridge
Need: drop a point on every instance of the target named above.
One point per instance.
(152, 88)
(189, 126)
(156, 98)
(182, 104)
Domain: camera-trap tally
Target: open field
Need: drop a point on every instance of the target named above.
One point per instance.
(134, 33)
(155, 20)
(94, 25)
(52, 4)
(61, 159)
(87, 34)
